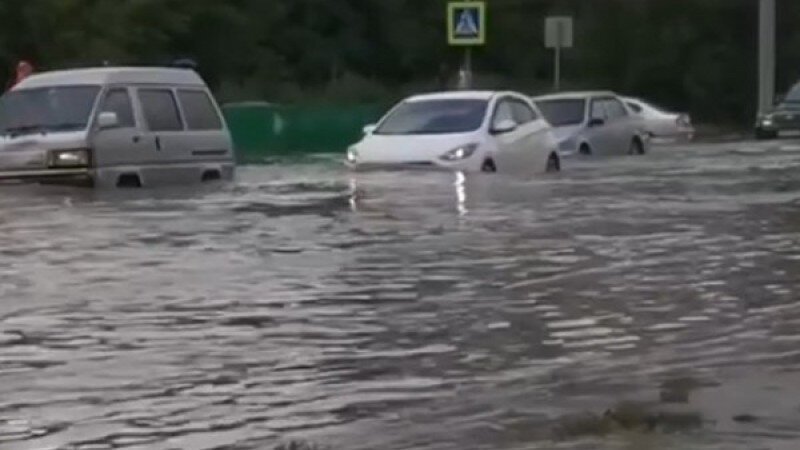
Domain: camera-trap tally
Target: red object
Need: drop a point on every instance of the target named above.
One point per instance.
(24, 69)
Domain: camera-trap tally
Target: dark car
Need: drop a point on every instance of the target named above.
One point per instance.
(783, 120)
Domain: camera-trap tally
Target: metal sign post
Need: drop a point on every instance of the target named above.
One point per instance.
(558, 35)
(766, 55)
(466, 26)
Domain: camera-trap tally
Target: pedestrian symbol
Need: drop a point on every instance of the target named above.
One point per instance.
(466, 23)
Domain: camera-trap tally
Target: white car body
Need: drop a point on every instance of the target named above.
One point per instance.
(662, 126)
(511, 136)
(596, 123)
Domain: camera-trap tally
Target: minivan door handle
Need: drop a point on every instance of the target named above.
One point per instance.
(158, 143)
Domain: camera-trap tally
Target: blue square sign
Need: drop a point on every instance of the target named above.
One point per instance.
(466, 23)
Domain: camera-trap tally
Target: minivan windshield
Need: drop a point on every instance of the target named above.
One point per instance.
(47, 109)
(435, 117)
(563, 112)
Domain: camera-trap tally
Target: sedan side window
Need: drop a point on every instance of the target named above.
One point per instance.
(503, 112)
(636, 108)
(616, 110)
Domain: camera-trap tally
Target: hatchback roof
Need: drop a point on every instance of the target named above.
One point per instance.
(112, 75)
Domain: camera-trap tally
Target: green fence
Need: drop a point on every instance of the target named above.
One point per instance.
(261, 130)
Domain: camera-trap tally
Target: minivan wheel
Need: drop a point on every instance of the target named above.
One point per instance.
(636, 147)
(129, 180)
(553, 163)
(488, 166)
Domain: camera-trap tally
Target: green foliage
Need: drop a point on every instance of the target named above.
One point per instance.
(691, 55)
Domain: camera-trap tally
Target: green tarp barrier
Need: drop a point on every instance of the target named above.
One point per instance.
(262, 130)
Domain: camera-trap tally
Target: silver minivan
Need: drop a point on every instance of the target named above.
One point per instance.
(594, 123)
(107, 127)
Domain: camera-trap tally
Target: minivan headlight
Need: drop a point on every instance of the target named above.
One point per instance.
(459, 153)
(69, 158)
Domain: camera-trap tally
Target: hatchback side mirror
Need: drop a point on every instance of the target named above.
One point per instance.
(369, 129)
(597, 122)
(504, 126)
(107, 119)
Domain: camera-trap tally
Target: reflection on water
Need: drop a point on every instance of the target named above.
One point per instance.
(410, 310)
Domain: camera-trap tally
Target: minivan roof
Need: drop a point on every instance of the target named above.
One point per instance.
(112, 75)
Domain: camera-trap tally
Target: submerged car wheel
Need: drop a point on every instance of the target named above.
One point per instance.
(488, 166)
(762, 134)
(636, 148)
(553, 163)
(585, 149)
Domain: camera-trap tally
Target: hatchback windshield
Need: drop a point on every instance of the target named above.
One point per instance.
(62, 108)
(563, 112)
(435, 117)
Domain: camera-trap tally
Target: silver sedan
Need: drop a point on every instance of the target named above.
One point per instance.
(593, 123)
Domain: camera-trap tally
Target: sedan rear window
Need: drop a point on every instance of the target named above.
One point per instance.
(435, 117)
(563, 112)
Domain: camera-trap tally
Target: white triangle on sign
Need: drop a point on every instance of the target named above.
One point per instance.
(466, 24)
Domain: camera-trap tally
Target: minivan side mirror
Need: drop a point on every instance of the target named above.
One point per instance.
(504, 126)
(107, 119)
(369, 129)
(596, 122)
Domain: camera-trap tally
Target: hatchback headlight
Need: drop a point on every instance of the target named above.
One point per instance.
(459, 153)
(69, 158)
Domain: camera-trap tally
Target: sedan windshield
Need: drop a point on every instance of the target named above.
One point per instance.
(563, 112)
(435, 117)
(42, 110)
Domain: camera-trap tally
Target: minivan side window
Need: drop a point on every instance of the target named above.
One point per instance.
(160, 110)
(598, 110)
(118, 101)
(199, 111)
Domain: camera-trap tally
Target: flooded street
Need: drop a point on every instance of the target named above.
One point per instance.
(404, 310)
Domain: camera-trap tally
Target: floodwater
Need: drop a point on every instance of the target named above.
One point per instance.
(410, 310)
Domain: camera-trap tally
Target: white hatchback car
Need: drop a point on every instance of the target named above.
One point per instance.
(467, 131)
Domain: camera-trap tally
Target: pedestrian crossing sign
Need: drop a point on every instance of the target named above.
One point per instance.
(466, 23)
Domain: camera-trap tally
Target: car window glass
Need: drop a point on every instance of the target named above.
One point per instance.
(119, 102)
(522, 112)
(636, 108)
(503, 112)
(199, 111)
(598, 109)
(615, 108)
(160, 110)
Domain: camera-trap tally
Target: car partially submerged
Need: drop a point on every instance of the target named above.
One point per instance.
(469, 131)
(593, 123)
(662, 125)
(783, 120)
(119, 126)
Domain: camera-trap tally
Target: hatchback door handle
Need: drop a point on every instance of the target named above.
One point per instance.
(158, 143)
